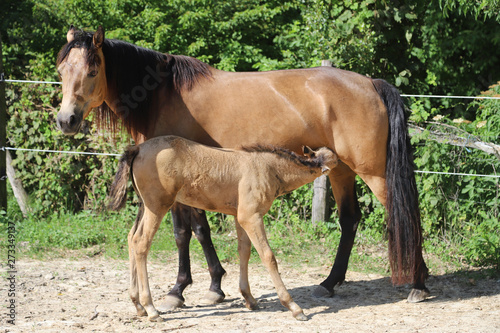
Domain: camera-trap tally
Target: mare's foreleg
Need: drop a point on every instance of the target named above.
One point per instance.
(186, 220)
(344, 191)
(182, 232)
(201, 230)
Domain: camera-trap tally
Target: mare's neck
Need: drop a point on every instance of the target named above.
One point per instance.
(134, 77)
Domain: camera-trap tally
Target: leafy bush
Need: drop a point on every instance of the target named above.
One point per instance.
(55, 181)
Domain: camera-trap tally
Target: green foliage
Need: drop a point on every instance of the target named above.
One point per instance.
(56, 181)
(479, 9)
(463, 210)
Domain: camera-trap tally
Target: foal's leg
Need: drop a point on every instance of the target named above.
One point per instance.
(140, 243)
(244, 250)
(254, 228)
(344, 191)
(134, 285)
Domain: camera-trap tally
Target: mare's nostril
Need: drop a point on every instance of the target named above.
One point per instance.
(72, 121)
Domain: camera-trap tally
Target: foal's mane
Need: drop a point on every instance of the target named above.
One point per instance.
(315, 162)
(127, 67)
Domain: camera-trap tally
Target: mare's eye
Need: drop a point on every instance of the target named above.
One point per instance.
(92, 74)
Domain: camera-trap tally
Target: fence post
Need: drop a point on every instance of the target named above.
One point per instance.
(3, 136)
(320, 188)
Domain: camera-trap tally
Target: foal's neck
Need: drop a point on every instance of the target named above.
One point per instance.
(294, 175)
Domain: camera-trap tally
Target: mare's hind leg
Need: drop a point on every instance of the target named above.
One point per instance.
(419, 291)
(244, 250)
(344, 191)
(184, 217)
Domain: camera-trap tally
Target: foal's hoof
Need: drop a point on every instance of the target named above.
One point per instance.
(322, 292)
(156, 319)
(252, 306)
(170, 303)
(418, 295)
(212, 297)
(301, 317)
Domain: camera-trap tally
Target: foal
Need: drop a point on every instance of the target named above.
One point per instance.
(242, 183)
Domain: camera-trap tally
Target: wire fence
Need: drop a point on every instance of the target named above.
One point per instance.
(59, 151)
(402, 95)
(117, 155)
(28, 81)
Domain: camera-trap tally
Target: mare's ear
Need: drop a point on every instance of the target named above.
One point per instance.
(71, 34)
(308, 151)
(98, 38)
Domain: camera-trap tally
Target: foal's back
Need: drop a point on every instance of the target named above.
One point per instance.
(193, 174)
(171, 168)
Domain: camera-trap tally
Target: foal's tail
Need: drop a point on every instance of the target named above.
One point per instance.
(118, 193)
(403, 214)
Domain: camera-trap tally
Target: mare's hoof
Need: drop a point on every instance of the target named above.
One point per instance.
(170, 303)
(322, 292)
(418, 295)
(212, 297)
(301, 317)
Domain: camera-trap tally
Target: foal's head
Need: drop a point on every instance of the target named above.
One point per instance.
(323, 157)
(81, 66)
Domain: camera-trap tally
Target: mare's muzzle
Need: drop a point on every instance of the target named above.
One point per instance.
(69, 123)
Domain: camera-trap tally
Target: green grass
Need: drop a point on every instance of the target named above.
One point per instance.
(85, 233)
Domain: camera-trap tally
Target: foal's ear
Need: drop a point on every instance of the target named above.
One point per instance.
(98, 38)
(71, 34)
(325, 169)
(308, 151)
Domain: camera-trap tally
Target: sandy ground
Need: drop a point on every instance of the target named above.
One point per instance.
(91, 295)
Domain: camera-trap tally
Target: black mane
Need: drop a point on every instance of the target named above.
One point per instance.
(132, 71)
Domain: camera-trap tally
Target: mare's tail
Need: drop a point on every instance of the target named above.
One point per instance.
(118, 193)
(403, 214)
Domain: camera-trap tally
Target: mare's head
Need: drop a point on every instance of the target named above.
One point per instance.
(82, 69)
(324, 157)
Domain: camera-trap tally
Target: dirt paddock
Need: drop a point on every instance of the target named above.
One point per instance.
(91, 295)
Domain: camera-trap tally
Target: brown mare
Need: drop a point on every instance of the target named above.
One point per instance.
(243, 183)
(362, 119)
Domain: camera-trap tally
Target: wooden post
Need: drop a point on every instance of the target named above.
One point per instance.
(3, 137)
(320, 189)
(17, 187)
